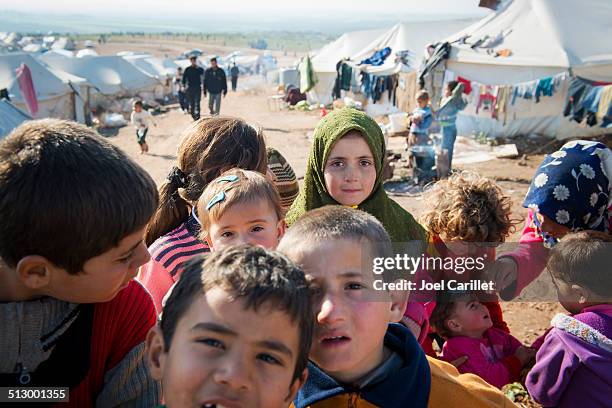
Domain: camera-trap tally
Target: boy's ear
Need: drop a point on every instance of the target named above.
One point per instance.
(399, 302)
(297, 384)
(155, 353)
(34, 271)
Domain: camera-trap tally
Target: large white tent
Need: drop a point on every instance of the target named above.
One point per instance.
(359, 45)
(545, 37)
(55, 96)
(10, 117)
(110, 75)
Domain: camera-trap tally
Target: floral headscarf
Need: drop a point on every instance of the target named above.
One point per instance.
(572, 186)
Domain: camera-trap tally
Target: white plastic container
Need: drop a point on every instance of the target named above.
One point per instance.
(397, 122)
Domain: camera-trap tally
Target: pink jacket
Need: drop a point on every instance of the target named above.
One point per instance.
(490, 357)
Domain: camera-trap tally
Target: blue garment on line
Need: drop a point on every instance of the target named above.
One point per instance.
(378, 58)
(545, 87)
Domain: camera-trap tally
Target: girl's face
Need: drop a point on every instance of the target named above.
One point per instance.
(253, 223)
(350, 172)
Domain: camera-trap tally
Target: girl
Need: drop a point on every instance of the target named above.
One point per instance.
(574, 363)
(494, 355)
(209, 147)
(571, 191)
(469, 217)
(241, 207)
(345, 167)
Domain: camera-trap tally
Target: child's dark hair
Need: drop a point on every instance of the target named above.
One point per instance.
(469, 208)
(254, 275)
(451, 85)
(67, 194)
(584, 258)
(422, 95)
(210, 146)
(137, 103)
(446, 303)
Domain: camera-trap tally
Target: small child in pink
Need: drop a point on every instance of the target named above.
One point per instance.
(465, 323)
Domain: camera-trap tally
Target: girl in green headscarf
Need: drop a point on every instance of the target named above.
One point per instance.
(345, 167)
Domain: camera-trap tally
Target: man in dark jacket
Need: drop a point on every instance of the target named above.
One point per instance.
(192, 80)
(215, 82)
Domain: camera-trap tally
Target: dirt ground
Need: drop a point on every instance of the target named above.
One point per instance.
(289, 131)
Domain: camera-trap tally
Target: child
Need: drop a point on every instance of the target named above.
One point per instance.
(450, 106)
(345, 167)
(74, 208)
(572, 190)
(240, 207)
(573, 365)
(209, 147)
(140, 119)
(422, 117)
(357, 357)
(469, 215)
(493, 354)
(235, 331)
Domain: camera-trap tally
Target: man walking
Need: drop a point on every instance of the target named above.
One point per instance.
(234, 72)
(215, 82)
(192, 81)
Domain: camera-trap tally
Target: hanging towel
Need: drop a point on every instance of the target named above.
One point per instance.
(467, 85)
(26, 86)
(307, 76)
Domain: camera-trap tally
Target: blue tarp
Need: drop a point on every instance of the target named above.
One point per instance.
(10, 117)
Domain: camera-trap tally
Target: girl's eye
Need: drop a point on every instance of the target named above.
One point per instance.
(365, 163)
(212, 343)
(258, 228)
(227, 234)
(269, 359)
(336, 163)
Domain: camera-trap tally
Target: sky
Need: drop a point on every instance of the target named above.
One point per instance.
(288, 8)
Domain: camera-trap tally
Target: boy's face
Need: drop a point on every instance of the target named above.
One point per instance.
(350, 173)
(350, 325)
(422, 102)
(103, 276)
(253, 223)
(137, 108)
(470, 318)
(223, 355)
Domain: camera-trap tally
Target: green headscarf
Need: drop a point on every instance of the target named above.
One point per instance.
(399, 223)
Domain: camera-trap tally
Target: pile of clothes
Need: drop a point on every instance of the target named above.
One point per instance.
(589, 103)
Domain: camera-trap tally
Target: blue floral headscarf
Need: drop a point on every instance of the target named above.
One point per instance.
(572, 186)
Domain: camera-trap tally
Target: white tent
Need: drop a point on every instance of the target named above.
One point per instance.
(86, 52)
(156, 67)
(55, 96)
(325, 60)
(545, 37)
(10, 117)
(359, 45)
(111, 75)
(64, 43)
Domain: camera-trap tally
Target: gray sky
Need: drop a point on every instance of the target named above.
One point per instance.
(311, 8)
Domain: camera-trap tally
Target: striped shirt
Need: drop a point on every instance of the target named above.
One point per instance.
(168, 254)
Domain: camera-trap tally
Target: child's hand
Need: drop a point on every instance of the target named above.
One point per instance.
(524, 354)
(503, 272)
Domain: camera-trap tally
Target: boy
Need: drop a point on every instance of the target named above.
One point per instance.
(450, 106)
(422, 117)
(356, 356)
(74, 209)
(235, 331)
(140, 118)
